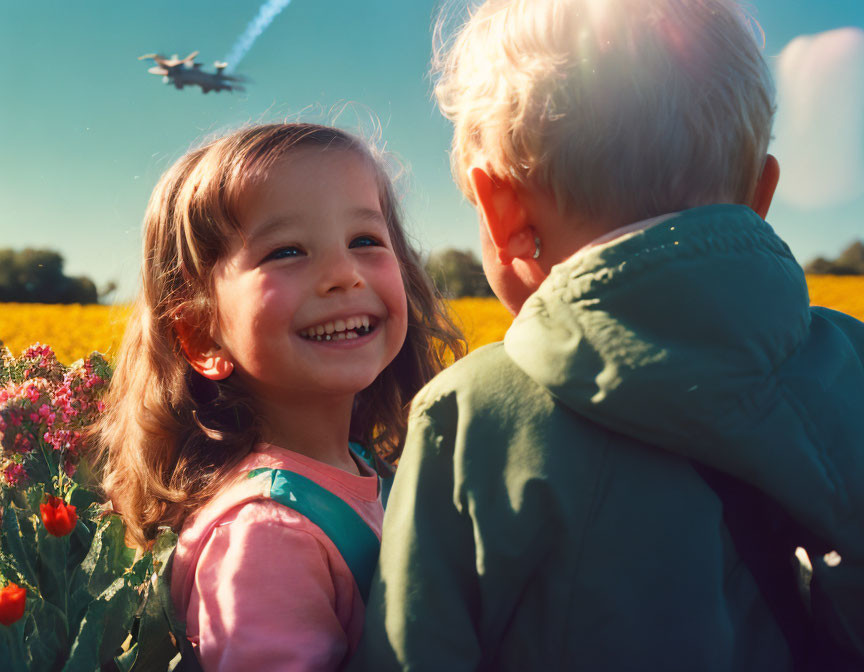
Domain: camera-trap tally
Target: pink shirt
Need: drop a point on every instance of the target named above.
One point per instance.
(259, 585)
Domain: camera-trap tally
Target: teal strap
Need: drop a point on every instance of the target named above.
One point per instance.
(384, 471)
(353, 538)
(364, 454)
(385, 482)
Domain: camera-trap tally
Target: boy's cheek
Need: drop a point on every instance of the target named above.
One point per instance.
(501, 278)
(509, 288)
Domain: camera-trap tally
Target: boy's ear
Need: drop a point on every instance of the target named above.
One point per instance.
(504, 215)
(208, 359)
(766, 186)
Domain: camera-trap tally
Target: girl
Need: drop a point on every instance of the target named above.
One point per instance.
(282, 315)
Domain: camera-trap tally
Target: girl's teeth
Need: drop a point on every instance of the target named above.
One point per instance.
(339, 330)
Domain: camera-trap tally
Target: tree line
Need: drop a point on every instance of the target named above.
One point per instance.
(36, 276)
(850, 262)
(457, 273)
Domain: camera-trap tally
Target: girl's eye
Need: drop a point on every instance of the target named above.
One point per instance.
(365, 241)
(284, 253)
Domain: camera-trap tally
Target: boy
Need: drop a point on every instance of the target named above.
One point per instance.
(554, 507)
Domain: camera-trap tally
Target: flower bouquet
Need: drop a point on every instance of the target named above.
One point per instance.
(72, 593)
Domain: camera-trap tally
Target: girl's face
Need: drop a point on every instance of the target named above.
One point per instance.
(313, 304)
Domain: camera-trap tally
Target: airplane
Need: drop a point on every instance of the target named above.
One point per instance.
(186, 72)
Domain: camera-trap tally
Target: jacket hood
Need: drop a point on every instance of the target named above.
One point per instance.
(696, 336)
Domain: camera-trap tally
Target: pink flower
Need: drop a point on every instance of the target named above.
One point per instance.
(70, 467)
(46, 414)
(44, 353)
(63, 439)
(92, 381)
(15, 474)
(44, 403)
(21, 444)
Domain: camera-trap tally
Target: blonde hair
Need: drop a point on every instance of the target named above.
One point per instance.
(622, 109)
(169, 437)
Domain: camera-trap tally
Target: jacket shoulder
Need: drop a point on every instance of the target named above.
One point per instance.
(851, 328)
(486, 376)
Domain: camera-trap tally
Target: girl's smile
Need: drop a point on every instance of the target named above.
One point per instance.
(340, 329)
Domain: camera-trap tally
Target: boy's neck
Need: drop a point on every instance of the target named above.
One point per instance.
(629, 228)
(563, 231)
(316, 428)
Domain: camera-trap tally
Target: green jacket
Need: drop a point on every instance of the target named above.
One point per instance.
(547, 514)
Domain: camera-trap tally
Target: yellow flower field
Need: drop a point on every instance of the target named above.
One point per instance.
(840, 292)
(74, 331)
(482, 320)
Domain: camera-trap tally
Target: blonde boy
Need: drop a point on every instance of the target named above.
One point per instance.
(551, 509)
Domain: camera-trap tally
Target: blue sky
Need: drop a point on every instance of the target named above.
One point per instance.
(85, 132)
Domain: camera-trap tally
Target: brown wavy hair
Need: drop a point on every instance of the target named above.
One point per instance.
(169, 437)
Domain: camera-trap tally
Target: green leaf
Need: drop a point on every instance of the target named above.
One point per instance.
(126, 661)
(154, 647)
(138, 573)
(79, 596)
(39, 473)
(12, 648)
(109, 556)
(46, 639)
(10, 570)
(158, 630)
(84, 655)
(33, 497)
(119, 617)
(104, 628)
(18, 541)
(80, 541)
(163, 547)
(82, 498)
(52, 567)
(163, 589)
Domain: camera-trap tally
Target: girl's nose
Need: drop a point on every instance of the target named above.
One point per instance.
(339, 272)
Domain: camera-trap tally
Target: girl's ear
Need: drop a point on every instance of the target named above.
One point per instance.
(208, 359)
(504, 215)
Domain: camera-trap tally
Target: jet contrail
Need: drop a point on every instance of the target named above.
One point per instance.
(269, 11)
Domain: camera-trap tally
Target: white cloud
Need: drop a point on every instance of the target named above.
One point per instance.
(819, 134)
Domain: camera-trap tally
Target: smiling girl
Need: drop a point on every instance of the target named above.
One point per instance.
(283, 325)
